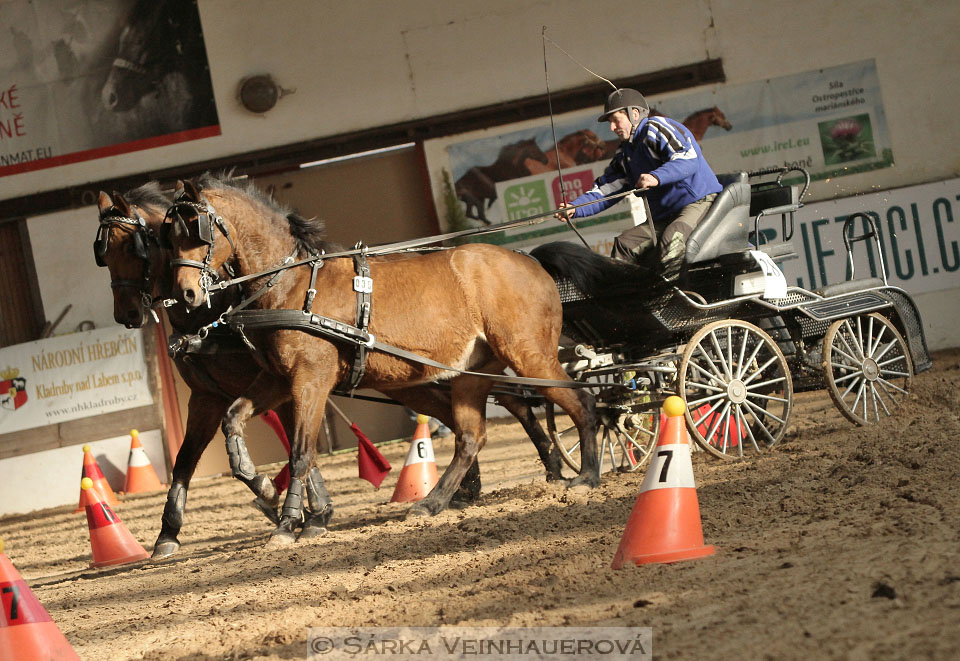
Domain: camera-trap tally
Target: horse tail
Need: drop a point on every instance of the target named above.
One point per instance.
(596, 275)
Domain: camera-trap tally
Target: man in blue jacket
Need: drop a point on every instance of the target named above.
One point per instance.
(661, 155)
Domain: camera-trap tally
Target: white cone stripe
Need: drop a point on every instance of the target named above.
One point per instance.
(421, 452)
(669, 468)
(138, 458)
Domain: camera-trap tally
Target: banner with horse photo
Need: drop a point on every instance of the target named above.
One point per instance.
(95, 78)
(830, 121)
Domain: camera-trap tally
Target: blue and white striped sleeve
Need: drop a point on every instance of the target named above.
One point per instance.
(613, 180)
(673, 145)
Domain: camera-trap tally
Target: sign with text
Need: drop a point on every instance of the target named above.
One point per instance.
(71, 376)
(919, 228)
(829, 121)
(99, 78)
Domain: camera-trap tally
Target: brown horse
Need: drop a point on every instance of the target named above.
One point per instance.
(140, 274)
(127, 245)
(476, 307)
(700, 121)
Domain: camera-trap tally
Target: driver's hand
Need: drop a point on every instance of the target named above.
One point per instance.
(564, 216)
(647, 180)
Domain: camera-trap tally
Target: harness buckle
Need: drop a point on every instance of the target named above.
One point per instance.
(371, 339)
(362, 284)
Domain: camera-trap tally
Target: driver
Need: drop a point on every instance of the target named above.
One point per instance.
(659, 154)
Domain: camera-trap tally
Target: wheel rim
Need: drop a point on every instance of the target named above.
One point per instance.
(867, 366)
(626, 424)
(737, 387)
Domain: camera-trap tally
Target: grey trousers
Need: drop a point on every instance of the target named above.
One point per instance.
(663, 251)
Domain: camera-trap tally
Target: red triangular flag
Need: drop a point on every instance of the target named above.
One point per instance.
(372, 465)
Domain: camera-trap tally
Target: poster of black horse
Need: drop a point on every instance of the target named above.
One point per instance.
(84, 79)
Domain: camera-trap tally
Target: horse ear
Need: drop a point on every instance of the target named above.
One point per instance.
(104, 202)
(191, 190)
(122, 205)
(178, 193)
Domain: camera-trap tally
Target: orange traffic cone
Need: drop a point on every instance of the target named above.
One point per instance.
(664, 525)
(111, 542)
(26, 629)
(419, 473)
(140, 474)
(92, 470)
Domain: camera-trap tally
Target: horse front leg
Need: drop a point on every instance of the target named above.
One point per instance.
(203, 415)
(306, 484)
(469, 400)
(260, 395)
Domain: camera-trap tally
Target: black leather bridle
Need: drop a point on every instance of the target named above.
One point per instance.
(143, 236)
(207, 222)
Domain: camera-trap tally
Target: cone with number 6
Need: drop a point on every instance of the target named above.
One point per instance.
(111, 542)
(419, 474)
(26, 629)
(664, 525)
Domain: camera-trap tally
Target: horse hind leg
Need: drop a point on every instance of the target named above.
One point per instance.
(469, 398)
(319, 506)
(549, 454)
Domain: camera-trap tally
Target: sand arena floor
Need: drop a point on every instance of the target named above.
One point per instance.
(841, 543)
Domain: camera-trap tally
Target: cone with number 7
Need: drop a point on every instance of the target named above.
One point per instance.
(26, 629)
(664, 525)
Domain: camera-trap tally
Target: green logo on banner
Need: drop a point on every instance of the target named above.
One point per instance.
(525, 200)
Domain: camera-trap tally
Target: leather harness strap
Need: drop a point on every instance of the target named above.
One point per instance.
(332, 329)
(363, 285)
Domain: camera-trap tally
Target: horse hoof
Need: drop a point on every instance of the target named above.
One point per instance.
(583, 482)
(311, 532)
(279, 540)
(165, 549)
(418, 511)
(265, 507)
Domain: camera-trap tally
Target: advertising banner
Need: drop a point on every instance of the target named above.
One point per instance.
(71, 376)
(95, 78)
(830, 121)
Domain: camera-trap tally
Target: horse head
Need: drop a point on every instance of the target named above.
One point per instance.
(518, 153)
(142, 54)
(190, 231)
(127, 245)
(719, 119)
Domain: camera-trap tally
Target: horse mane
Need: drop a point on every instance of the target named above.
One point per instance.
(307, 232)
(148, 195)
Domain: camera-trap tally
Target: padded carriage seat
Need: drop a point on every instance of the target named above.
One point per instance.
(849, 287)
(726, 227)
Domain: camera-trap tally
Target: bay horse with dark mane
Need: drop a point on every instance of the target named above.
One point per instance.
(476, 308)
(140, 274)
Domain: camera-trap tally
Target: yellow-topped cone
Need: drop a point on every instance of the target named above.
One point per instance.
(110, 541)
(92, 470)
(140, 474)
(419, 474)
(664, 525)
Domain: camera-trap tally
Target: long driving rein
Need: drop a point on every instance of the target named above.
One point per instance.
(241, 320)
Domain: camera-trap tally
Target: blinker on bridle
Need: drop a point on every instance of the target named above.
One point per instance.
(207, 221)
(141, 236)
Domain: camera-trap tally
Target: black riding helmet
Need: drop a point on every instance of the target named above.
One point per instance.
(623, 99)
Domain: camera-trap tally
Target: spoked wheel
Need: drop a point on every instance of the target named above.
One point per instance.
(868, 368)
(737, 388)
(628, 422)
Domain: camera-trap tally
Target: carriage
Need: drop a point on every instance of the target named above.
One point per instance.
(734, 341)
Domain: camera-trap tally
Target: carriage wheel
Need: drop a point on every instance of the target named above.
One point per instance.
(627, 421)
(867, 366)
(737, 388)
